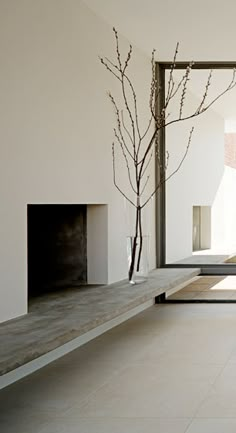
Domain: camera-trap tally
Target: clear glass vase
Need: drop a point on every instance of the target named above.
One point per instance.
(138, 255)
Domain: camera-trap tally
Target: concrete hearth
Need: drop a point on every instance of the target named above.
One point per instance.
(70, 318)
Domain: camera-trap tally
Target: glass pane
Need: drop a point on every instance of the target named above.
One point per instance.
(200, 196)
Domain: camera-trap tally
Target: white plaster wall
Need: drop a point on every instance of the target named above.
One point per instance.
(198, 180)
(97, 244)
(226, 201)
(229, 183)
(56, 128)
(205, 231)
(230, 207)
(218, 227)
(205, 29)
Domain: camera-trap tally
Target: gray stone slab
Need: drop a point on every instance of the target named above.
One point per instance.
(56, 319)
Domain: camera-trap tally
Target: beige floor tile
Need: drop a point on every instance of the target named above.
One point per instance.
(185, 371)
(206, 346)
(215, 425)
(145, 323)
(233, 296)
(221, 400)
(213, 278)
(23, 421)
(209, 288)
(182, 294)
(112, 349)
(155, 373)
(232, 357)
(199, 293)
(202, 286)
(214, 294)
(195, 288)
(139, 391)
(209, 280)
(228, 372)
(116, 425)
(58, 391)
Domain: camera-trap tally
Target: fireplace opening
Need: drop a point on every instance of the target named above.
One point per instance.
(57, 247)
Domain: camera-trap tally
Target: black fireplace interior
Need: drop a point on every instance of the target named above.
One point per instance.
(57, 247)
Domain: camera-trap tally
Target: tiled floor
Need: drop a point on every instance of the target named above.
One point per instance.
(171, 369)
(208, 288)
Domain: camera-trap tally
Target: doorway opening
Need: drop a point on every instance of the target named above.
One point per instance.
(201, 228)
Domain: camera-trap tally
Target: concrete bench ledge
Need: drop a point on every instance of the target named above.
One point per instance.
(63, 317)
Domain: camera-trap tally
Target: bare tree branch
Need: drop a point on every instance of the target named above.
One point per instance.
(135, 106)
(147, 165)
(167, 159)
(203, 109)
(139, 148)
(125, 127)
(231, 85)
(147, 180)
(164, 179)
(171, 83)
(205, 93)
(122, 72)
(119, 124)
(108, 68)
(114, 178)
(117, 48)
(147, 129)
(183, 94)
(126, 160)
(123, 86)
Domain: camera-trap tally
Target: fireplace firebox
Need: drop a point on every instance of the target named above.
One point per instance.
(57, 247)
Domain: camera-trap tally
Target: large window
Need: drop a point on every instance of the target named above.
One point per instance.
(196, 209)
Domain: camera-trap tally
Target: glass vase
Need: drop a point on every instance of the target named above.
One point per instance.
(138, 255)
